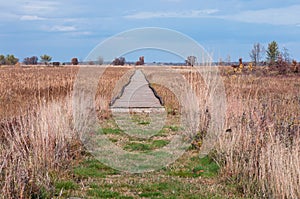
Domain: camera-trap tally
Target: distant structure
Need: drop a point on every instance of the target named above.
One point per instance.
(140, 62)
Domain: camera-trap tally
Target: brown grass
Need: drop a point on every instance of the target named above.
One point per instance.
(21, 88)
(259, 151)
(36, 148)
(38, 141)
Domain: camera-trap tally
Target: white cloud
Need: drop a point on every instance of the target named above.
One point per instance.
(185, 14)
(59, 28)
(83, 33)
(29, 10)
(31, 18)
(288, 15)
(40, 7)
(276, 16)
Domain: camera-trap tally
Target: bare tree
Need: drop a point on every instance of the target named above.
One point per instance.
(100, 60)
(228, 60)
(257, 53)
(286, 55)
(221, 62)
(191, 60)
(31, 60)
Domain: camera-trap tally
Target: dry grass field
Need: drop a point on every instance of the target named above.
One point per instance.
(257, 155)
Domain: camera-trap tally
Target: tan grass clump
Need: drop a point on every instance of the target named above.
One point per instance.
(36, 149)
(261, 151)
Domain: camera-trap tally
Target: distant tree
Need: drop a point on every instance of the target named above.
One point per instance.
(31, 60)
(74, 61)
(2, 59)
(119, 61)
(272, 52)
(11, 60)
(228, 60)
(221, 62)
(56, 63)
(256, 53)
(141, 61)
(46, 58)
(100, 60)
(122, 61)
(286, 55)
(191, 60)
(34, 60)
(26, 60)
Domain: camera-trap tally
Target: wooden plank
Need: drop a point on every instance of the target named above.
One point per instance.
(137, 94)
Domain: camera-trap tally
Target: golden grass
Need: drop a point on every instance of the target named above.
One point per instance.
(21, 88)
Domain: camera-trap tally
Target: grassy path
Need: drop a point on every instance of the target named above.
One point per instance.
(189, 177)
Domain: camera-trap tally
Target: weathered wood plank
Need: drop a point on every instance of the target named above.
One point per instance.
(137, 94)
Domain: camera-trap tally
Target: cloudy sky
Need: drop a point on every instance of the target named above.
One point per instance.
(72, 28)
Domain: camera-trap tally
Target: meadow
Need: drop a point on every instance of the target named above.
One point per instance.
(256, 155)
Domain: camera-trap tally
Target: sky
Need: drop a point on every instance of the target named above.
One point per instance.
(65, 29)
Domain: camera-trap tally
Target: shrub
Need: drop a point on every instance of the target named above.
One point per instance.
(74, 61)
(280, 65)
(119, 61)
(295, 66)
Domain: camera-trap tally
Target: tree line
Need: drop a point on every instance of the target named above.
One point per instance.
(8, 60)
(273, 54)
(274, 58)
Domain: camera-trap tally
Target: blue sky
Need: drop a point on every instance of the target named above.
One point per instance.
(72, 28)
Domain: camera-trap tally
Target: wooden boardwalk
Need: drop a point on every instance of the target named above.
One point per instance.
(139, 98)
(137, 94)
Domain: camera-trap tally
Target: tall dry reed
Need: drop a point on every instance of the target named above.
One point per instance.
(36, 149)
(261, 149)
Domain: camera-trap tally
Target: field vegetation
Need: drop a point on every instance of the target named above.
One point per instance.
(257, 155)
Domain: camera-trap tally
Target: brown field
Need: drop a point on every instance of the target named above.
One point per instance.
(258, 150)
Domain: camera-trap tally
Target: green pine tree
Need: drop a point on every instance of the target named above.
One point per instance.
(272, 52)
